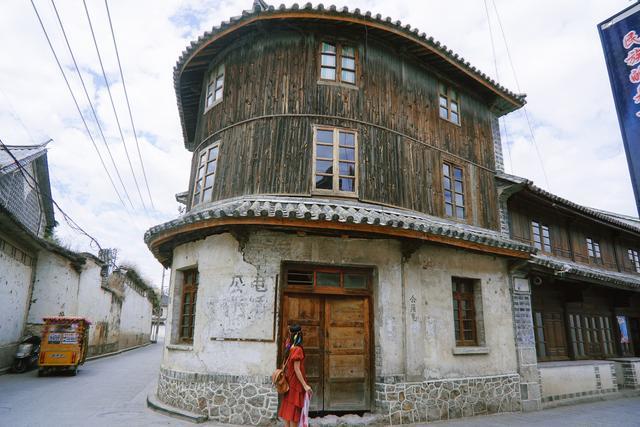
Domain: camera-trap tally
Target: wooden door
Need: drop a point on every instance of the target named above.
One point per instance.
(555, 335)
(307, 311)
(346, 362)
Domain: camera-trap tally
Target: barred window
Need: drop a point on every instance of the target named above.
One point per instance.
(591, 335)
(453, 187)
(188, 304)
(635, 260)
(464, 312)
(541, 237)
(215, 87)
(338, 63)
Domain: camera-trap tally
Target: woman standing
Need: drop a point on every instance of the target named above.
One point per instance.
(293, 400)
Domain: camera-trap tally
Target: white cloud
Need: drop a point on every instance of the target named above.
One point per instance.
(554, 45)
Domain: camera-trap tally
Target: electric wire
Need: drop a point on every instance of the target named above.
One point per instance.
(93, 111)
(126, 96)
(524, 108)
(113, 106)
(29, 179)
(75, 101)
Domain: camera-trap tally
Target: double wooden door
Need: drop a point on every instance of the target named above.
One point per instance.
(337, 348)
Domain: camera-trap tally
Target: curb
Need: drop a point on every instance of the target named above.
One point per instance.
(115, 353)
(155, 404)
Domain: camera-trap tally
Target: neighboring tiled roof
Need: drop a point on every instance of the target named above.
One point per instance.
(315, 209)
(261, 8)
(24, 153)
(623, 221)
(563, 268)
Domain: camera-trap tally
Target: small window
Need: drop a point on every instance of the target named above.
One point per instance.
(449, 104)
(215, 87)
(541, 236)
(338, 63)
(327, 277)
(335, 161)
(188, 304)
(635, 259)
(206, 174)
(464, 313)
(453, 190)
(593, 248)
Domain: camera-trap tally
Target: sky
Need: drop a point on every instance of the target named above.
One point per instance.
(572, 147)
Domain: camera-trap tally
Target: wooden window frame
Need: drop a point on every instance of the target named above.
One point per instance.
(314, 288)
(197, 196)
(588, 330)
(339, 47)
(447, 95)
(594, 251)
(216, 74)
(470, 299)
(454, 206)
(542, 245)
(335, 191)
(191, 289)
(634, 257)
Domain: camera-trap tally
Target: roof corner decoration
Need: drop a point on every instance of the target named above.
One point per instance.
(192, 63)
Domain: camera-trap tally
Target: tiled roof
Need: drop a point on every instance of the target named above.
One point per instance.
(563, 268)
(329, 210)
(623, 221)
(24, 153)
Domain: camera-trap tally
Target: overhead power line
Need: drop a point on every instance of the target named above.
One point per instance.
(113, 106)
(75, 101)
(29, 179)
(93, 111)
(515, 76)
(126, 96)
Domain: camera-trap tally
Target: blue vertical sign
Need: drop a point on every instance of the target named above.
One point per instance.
(620, 36)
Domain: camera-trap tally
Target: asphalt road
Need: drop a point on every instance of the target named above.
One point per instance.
(111, 391)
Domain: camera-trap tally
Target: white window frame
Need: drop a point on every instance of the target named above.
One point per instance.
(215, 75)
(204, 153)
(336, 162)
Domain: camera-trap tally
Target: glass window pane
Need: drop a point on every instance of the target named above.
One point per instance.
(348, 51)
(444, 113)
(347, 169)
(299, 277)
(459, 200)
(326, 47)
(355, 281)
(460, 212)
(455, 118)
(347, 184)
(453, 94)
(213, 154)
(443, 101)
(458, 186)
(347, 139)
(198, 185)
(206, 196)
(329, 60)
(348, 64)
(347, 154)
(447, 196)
(324, 182)
(324, 166)
(324, 151)
(219, 82)
(218, 94)
(457, 173)
(196, 198)
(447, 183)
(445, 170)
(468, 335)
(211, 167)
(208, 182)
(348, 76)
(323, 135)
(454, 107)
(328, 279)
(328, 73)
(448, 209)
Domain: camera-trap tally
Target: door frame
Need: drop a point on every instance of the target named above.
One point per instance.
(323, 292)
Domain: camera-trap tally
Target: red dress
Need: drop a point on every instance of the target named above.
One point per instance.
(293, 400)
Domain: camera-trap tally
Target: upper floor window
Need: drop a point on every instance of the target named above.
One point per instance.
(453, 186)
(335, 161)
(206, 174)
(449, 104)
(464, 312)
(635, 259)
(190, 280)
(215, 87)
(541, 236)
(338, 63)
(593, 248)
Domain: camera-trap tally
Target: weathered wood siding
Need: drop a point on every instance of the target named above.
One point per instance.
(394, 104)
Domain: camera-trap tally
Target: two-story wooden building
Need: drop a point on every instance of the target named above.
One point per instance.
(343, 178)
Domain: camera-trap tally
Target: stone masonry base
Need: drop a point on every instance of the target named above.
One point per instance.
(227, 399)
(435, 400)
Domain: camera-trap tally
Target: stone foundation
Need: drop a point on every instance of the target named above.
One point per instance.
(435, 400)
(628, 372)
(223, 398)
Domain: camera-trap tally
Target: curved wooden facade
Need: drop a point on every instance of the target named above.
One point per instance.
(273, 98)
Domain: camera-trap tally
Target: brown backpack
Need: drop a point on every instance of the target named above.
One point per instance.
(279, 379)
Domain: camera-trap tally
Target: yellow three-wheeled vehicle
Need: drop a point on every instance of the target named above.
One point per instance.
(64, 344)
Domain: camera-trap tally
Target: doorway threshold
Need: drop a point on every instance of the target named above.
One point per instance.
(356, 418)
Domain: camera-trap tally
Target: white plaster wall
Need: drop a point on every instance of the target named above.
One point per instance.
(55, 290)
(567, 379)
(425, 350)
(135, 318)
(15, 280)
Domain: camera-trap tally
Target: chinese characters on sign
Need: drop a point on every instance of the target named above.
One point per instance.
(412, 308)
(633, 59)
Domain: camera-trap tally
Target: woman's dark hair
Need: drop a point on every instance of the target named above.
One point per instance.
(296, 337)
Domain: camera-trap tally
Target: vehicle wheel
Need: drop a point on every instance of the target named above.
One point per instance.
(74, 371)
(41, 372)
(20, 366)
